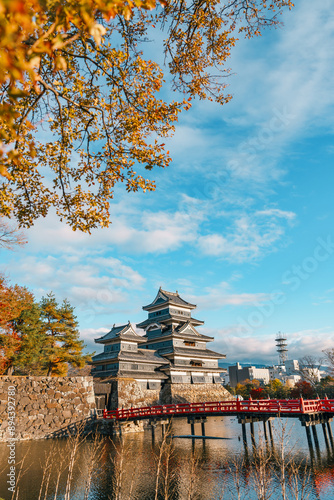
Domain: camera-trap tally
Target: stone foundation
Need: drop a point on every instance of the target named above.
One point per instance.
(43, 405)
(127, 393)
(193, 393)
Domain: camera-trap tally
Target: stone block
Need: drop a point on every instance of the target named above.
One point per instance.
(52, 405)
(24, 401)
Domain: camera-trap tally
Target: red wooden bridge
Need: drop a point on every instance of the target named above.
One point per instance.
(264, 407)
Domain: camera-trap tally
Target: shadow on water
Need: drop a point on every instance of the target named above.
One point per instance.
(134, 468)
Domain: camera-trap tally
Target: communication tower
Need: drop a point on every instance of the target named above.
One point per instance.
(281, 347)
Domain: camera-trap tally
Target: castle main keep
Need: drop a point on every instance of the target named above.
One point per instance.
(171, 357)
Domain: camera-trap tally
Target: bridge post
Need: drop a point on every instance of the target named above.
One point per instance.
(203, 426)
(153, 424)
(192, 427)
(270, 432)
(309, 439)
(252, 433)
(191, 421)
(244, 435)
(265, 431)
(324, 430)
(329, 428)
(315, 437)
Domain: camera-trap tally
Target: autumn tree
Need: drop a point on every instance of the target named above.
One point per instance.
(62, 343)
(303, 389)
(37, 339)
(13, 301)
(80, 103)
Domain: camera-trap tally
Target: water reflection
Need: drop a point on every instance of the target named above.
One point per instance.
(133, 467)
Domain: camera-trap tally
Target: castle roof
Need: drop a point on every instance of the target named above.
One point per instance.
(167, 317)
(142, 355)
(122, 332)
(190, 352)
(185, 331)
(164, 297)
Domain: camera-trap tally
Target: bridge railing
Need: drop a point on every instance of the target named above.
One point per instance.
(274, 406)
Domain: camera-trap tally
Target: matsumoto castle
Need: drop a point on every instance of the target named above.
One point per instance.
(172, 350)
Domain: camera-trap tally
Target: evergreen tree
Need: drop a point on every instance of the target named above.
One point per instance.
(63, 345)
(32, 357)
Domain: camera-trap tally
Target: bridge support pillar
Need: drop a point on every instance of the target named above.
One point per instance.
(330, 433)
(324, 430)
(309, 439)
(153, 426)
(315, 437)
(192, 420)
(265, 431)
(192, 427)
(252, 433)
(270, 432)
(244, 435)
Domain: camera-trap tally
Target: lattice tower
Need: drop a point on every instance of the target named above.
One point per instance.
(281, 347)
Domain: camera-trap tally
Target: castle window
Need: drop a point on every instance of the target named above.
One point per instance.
(196, 363)
(190, 344)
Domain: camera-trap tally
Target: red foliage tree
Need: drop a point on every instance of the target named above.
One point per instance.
(13, 300)
(302, 389)
(258, 393)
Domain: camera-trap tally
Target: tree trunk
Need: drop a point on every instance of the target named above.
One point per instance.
(10, 370)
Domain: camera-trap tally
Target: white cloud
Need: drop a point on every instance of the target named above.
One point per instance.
(250, 236)
(262, 348)
(218, 296)
(133, 230)
(93, 284)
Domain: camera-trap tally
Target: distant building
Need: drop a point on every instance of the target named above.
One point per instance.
(239, 374)
(171, 350)
(291, 366)
(288, 372)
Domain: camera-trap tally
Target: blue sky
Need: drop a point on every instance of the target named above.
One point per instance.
(241, 223)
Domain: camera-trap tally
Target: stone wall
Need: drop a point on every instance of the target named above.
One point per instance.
(50, 406)
(44, 405)
(127, 393)
(193, 393)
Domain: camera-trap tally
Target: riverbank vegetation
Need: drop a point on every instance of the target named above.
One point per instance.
(275, 389)
(100, 467)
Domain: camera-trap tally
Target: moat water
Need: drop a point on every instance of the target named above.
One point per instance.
(211, 469)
